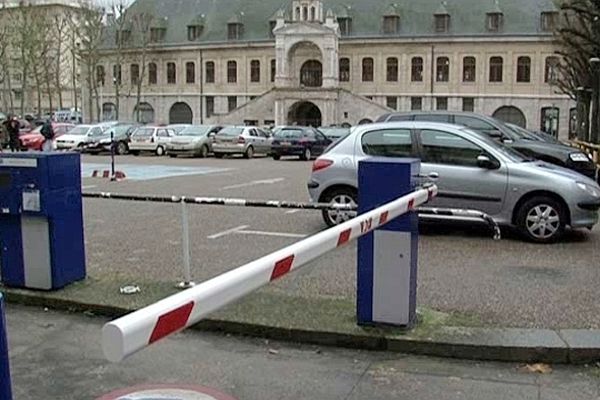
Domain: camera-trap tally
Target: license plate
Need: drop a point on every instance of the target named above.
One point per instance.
(286, 144)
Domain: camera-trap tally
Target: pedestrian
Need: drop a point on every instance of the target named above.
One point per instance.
(12, 127)
(48, 133)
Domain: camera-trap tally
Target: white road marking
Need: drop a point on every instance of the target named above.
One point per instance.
(254, 183)
(227, 232)
(292, 212)
(88, 187)
(277, 234)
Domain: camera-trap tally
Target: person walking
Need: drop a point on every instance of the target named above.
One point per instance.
(12, 128)
(47, 132)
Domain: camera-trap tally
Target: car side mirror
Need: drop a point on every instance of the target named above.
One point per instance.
(484, 161)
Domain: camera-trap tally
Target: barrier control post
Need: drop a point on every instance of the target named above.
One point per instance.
(5, 386)
(387, 257)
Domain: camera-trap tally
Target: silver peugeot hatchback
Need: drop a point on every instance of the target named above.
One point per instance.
(475, 173)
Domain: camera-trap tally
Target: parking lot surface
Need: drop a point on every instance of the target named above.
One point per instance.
(461, 269)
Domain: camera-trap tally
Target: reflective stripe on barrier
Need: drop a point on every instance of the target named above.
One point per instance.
(5, 385)
(133, 332)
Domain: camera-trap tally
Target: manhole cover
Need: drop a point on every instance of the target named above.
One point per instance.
(166, 392)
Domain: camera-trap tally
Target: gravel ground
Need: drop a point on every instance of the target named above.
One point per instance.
(508, 283)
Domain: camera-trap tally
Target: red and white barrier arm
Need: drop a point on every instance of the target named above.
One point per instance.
(133, 332)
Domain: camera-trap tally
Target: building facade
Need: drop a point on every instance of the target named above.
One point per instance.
(339, 62)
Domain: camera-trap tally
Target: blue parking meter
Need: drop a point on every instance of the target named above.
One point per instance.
(387, 257)
(5, 385)
(41, 220)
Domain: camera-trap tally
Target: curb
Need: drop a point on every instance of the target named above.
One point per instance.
(484, 344)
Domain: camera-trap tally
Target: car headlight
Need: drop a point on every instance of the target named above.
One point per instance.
(592, 190)
(579, 157)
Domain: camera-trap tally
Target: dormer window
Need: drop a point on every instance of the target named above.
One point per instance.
(494, 22)
(345, 24)
(194, 32)
(157, 34)
(549, 21)
(123, 36)
(391, 24)
(235, 31)
(442, 23)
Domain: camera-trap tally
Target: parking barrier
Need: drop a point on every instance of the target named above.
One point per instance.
(5, 385)
(133, 332)
(457, 214)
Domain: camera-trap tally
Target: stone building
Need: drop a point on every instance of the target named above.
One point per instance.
(342, 62)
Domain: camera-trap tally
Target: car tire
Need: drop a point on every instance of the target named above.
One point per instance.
(160, 151)
(342, 195)
(249, 153)
(219, 155)
(276, 157)
(203, 151)
(542, 219)
(122, 148)
(306, 154)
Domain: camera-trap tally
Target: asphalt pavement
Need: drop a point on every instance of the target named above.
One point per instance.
(461, 269)
(57, 356)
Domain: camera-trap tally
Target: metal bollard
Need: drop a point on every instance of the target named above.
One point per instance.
(185, 244)
(5, 386)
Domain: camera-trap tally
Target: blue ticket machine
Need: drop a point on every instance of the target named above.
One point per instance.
(41, 220)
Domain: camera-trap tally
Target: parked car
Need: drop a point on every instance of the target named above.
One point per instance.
(195, 140)
(178, 127)
(79, 136)
(25, 127)
(540, 199)
(535, 135)
(244, 140)
(554, 153)
(34, 140)
(150, 139)
(121, 134)
(334, 133)
(304, 142)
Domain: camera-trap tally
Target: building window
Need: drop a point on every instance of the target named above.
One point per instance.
(442, 69)
(297, 14)
(572, 122)
(305, 13)
(416, 103)
(117, 75)
(210, 106)
(441, 103)
(209, 73)
(123, 37)
(344, 69)
(100, 75)
(549, 120)
(235, 31)
(551, 70)
(313, 14)
(391, 24)
(311, 74)
(416, 73)
(392, 102)
(152, 74)
(134, 73)
(231, 103)
(194, 32)
(392, 69)
(442, 23)
(469, 69)
(255, 71)
(231, 72)
(273, 70)
(524, 69)
(468, 104)
(171, 73)
(549, 21)
(494, 22)
(272, 26)
(367, 69)
(157, 35)
(190, 72)
(345, 25)
(496, 69)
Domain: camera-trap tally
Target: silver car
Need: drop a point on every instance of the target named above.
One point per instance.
(244, 140)
(194, 140)
(151, 139)
(475, 172)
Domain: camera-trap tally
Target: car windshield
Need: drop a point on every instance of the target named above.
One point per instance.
(522, 133)
(79, 130)
(144, 132)
(194, 131)
(178, 128)
(289, 134)
(231, 131)
(120, 129)
(508, 152)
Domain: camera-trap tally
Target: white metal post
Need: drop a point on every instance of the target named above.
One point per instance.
(185, 244)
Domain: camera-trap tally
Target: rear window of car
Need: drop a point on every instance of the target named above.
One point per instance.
(144, 132)
(398, 118)
(432, 117)
(231, 131)
(194, 131)
(289, 134)
(79, 130)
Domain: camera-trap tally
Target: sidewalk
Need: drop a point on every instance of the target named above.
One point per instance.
(57, 356)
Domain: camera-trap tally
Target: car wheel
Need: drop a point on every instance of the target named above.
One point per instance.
(219, 155)
(306, 155)
(249, 153)
(276, 157)
(340, 196)
(542, 219)
(160, 151)
(203, 151)
(122, 148)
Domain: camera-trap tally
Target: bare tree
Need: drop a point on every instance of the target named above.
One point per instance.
(122, 29)
(141, 29)
(59, 36)
(40, 48)
(22, 41)
(5, 69)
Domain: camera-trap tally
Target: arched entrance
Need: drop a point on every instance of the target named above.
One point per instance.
(511, 115)
(109, 112)
(146, 113)
(311, 74)
(180, 113)
(304, 113)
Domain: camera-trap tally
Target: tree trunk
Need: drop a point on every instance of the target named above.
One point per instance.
(595, 110)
